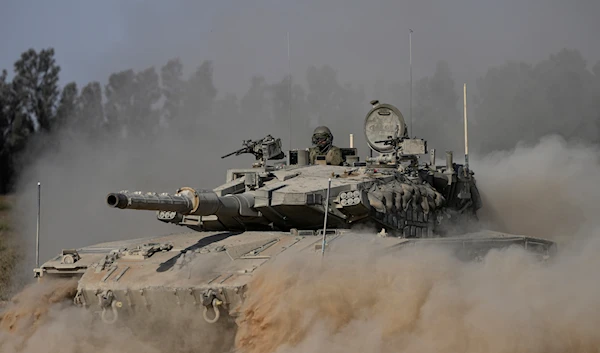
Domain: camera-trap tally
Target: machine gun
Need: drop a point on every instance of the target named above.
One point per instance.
(402, 149)
(267, 148)
(395, 140)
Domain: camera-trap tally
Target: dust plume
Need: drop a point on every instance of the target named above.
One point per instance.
(547, 190)
(357, 301)
(42, 318)
(425, 301)
(27, 311)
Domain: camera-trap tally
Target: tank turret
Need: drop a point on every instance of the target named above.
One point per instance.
(391, 191)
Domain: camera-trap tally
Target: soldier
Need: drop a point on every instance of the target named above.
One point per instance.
(322, 138)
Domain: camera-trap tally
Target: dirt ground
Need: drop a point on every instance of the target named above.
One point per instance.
(9, 254)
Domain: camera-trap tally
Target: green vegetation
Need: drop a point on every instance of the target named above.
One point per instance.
(8, 250)
(4, 226)
(5, 206)
(8, 260)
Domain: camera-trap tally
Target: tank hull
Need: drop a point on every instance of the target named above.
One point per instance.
(208, 272)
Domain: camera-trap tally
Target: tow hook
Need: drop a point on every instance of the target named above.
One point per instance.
(210, 299)
(107, 300)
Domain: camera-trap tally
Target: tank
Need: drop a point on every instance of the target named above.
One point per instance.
(282, 205)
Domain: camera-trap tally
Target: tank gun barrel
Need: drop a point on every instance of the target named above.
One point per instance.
(150, 201)
(186, 201)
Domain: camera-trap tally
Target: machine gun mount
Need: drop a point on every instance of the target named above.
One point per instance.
(267, 148)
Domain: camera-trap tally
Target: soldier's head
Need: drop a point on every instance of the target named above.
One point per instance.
(322, 137)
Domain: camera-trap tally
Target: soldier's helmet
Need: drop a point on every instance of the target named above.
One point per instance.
(322, 137)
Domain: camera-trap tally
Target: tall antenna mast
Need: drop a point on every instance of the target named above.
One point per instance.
(289, 91)
(410, 64)
(37, 234)
(465, 122)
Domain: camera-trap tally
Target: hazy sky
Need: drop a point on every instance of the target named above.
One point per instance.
(363, 40)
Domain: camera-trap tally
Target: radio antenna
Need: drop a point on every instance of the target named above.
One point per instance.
(410, 65)
(37, 234)
(465, 122)
(289, 90)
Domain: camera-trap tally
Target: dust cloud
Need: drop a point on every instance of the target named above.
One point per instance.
(425, 302)
(429, 301)
(358, 300)
(42, 319)
(547, 190)
(31, 307)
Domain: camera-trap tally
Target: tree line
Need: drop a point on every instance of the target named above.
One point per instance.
(513, 102)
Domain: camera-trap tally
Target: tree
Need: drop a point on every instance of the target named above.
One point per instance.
(502, 95)
(254, 105)
(526, 102)
(323, 98)
(145, 119)
(172, 88)
(227, 108)
(66, 112)
(119, 100)
(36, 80)
(567, 87)
(289, 115)
(436, 115)
(17, 128)
(200, 95)
(90, 117)
(595, 108)
(280, 99)
(4, 101)
(5, 124)
(20, 125)
(333, 104)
